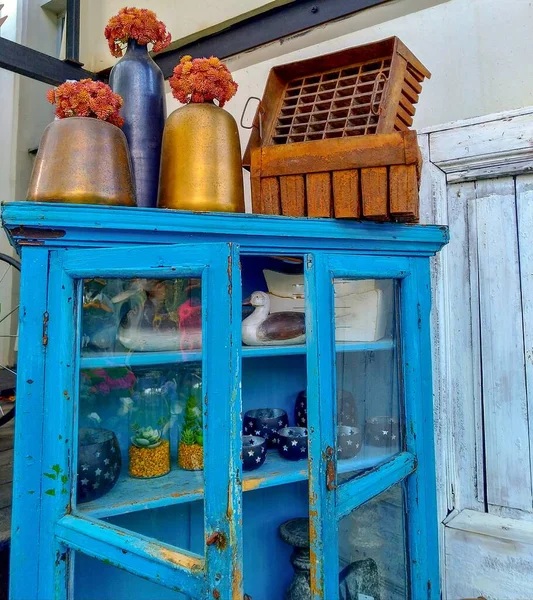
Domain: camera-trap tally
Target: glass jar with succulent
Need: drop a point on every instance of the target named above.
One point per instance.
(149, 416)
(191, 443)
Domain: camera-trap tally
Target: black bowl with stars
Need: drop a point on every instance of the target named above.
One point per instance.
(349, 441)
(99, 463)
(253, 452)
(382, 432)
(265, 422)
(300, 409)
(293, 443)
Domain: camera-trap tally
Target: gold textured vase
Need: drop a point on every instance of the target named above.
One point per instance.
(201, 161)
(82, 160)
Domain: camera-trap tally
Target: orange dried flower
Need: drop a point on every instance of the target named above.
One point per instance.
(202, 80)
(86, 98)
(138, 24)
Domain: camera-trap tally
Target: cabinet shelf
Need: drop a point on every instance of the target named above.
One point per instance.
(179, 487)
(96, 360)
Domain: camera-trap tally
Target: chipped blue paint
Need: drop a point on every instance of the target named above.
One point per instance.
(153, 243)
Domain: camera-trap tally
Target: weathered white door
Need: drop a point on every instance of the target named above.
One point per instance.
(476, 180)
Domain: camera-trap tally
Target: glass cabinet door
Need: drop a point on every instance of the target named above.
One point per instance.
(371, 404)
(148, 374)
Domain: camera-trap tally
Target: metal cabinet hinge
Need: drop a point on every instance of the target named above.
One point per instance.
(330, 470)
(45, 328)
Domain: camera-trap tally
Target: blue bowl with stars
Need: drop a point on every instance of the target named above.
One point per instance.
(349, 441)
(253, 452)
(265, 422)
(99, 463)
(293, 443)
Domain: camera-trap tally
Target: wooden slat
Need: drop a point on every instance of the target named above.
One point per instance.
(403, 190)
(412, 82)
(404, 116)
(374, 192)
(391, 97)
(270, 196)
(336, 154)
(318, 191)
(346, 195)
(409, 93)
(505, 414)
(406, 105)
(524, 213)
(292, 188)
(255, 180)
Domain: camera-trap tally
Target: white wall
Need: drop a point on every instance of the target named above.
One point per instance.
(477, 50)
(25, 113)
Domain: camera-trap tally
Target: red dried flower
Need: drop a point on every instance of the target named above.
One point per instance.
(86, 98)
(202, 80)
(138, 24)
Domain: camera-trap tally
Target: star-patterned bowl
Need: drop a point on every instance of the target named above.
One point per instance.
(300, 409)
(99, 463)
(349, 441)
(382, 431)
(293, 443)
(265, 422)
(253, 452)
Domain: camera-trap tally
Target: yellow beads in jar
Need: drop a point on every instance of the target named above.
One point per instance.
(150, 462)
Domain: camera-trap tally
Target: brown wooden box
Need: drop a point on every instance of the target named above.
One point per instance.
(366, 177)
(368, 89)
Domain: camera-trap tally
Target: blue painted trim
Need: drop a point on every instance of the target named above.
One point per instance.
(27, 470)
(73, 225)
(422, 524)
(60, 411)
(368, 267)
(222, 302)
(140, 555)
(321, 406)
(139, 359)
(359, 490)
(131, 495)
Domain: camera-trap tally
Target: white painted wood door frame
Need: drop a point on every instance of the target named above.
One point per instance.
(478, 150)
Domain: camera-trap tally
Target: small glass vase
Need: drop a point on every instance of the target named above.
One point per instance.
(190, 446)
(149, 419)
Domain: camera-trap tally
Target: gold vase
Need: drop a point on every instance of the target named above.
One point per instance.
(201, 161)
(82, 160)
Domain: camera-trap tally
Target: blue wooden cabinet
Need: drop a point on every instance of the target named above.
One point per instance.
(169, 305)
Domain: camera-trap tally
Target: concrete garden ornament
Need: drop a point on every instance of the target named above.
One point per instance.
(83, 156)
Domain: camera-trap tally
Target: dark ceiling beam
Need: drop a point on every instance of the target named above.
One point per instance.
(36, 65)
(72, 49)
(263, 28)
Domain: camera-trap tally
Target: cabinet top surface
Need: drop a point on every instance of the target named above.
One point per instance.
(74, 225)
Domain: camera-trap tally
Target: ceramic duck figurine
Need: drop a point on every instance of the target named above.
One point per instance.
(264, 329)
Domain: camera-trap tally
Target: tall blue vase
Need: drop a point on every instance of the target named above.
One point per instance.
(140, 82)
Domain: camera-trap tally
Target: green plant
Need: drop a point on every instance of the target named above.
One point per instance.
(192, 432)
(146, 437)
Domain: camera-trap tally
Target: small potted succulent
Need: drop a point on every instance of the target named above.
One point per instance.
(138, 79)
(83, 156)
(190, 450)
(201, 156)
(149, 451)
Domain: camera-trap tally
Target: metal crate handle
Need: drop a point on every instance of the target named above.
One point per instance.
(260, 110)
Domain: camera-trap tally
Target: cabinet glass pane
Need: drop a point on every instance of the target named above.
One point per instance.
(140, 417)
(275, 444)
(97, 580)
(372, 555)
(367, 374)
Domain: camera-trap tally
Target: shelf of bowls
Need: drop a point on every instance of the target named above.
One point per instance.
(155, 413)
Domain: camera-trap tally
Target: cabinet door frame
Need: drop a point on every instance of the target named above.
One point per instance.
(61, 530)
(415, 465)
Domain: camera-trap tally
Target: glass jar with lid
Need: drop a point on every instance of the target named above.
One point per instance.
(149, 426)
